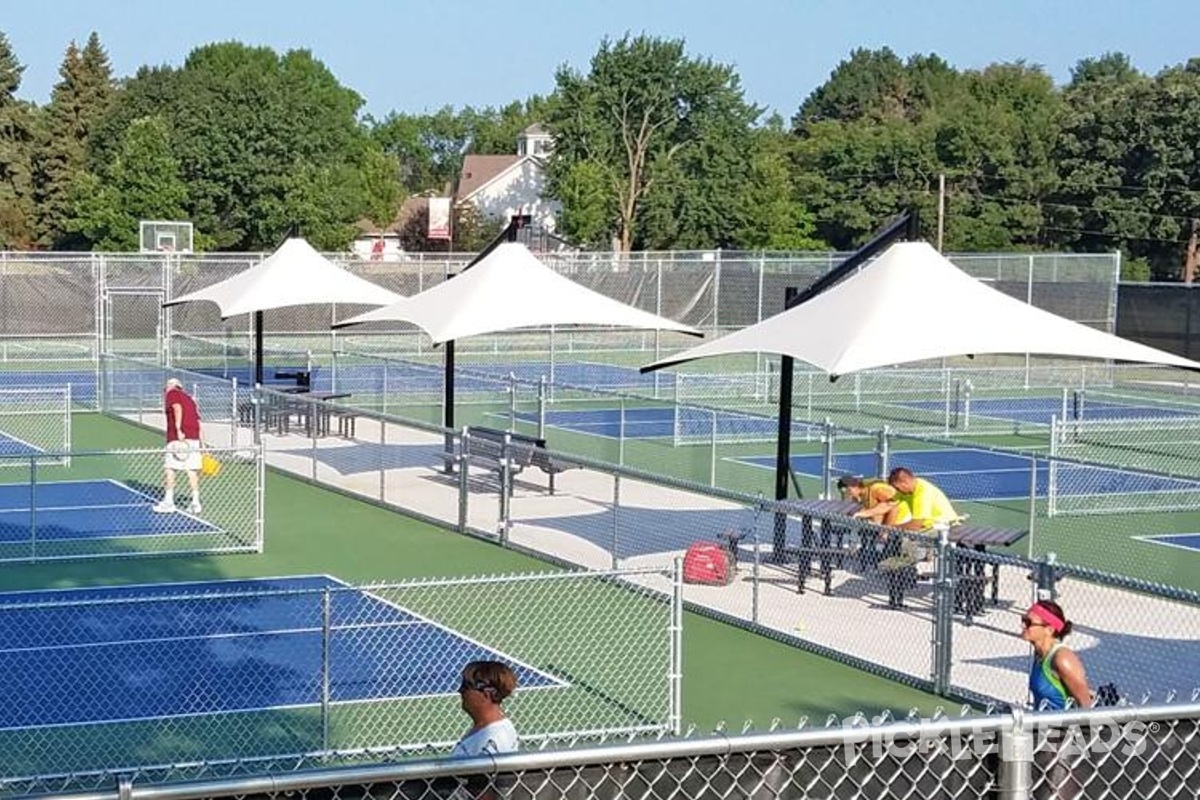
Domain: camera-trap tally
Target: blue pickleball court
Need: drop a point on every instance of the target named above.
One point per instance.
(97, 655)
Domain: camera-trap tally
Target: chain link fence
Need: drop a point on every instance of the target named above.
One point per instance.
(1133, 753)
(100, 505)
(801, 571)
(235, 675)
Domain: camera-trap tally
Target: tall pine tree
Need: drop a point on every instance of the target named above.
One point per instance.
(16, 155)
(77, 103)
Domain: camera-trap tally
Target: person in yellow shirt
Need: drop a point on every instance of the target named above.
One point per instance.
(878, 500)
(927, 503)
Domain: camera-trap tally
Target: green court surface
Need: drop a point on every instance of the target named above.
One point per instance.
(729, 674)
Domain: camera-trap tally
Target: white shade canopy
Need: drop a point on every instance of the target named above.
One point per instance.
(912, 304)
(510, 288)
(294, 275)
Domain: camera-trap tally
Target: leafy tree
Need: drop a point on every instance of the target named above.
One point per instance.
(17, 139)
(767, 212)
(429, 148)
(77, 102)
(668, 131)
(876, 85)
(587, 195)
(1126, 160)
(495, 132)
(142, 183)
(266, 144)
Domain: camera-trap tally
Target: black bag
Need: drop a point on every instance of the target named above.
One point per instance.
(1107, 695)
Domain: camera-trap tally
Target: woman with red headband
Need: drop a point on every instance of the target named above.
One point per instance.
(1057, 677)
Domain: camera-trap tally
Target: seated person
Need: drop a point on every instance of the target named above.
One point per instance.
(878, 499)
(927, 504)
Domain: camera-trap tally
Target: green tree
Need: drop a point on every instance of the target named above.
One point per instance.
(143, 182)
(1126, 160)
(17, 140)
(266, 144)
(670, 133)
(768, 213)
(428, 148)
(77, 102)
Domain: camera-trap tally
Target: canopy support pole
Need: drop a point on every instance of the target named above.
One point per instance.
(258, 348)
(906, 226)
(509, 234)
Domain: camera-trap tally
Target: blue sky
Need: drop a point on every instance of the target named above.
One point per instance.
(414, 56)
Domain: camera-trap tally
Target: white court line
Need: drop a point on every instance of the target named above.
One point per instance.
(366, 591)
(1154, 539)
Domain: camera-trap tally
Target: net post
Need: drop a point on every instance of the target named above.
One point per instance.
(326, 631)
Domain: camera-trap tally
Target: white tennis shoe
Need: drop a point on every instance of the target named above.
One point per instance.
(165, 508)
(194, 507)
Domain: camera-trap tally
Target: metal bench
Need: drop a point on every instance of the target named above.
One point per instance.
(487, 447)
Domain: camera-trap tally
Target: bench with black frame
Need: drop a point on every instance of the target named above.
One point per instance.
(486, 447)
(822, 540)
(971, 577)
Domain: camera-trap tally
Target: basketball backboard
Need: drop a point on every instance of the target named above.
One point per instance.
(165, 236)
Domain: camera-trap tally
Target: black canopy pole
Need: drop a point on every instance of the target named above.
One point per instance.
(509, 234)
(783, 442)
(906, 226)
(258, 348)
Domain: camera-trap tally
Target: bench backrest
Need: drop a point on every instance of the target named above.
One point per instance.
(490, 442)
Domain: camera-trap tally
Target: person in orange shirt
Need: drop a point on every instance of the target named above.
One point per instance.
(879, 500)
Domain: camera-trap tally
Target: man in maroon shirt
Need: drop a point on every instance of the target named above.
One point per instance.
(183, 446)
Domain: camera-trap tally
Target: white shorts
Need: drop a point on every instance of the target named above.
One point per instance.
(181, 460)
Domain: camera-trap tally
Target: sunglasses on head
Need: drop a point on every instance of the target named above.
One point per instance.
(478, 686)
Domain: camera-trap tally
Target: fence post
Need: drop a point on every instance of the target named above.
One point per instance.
(616, 525)
(1014, 780)
(325, 634)
(506, 488)
(883, 450)
(621, 432)
(464, 447)
(675, 714)
(712, 466)
(383, 459)
(1033, 495)
(943, 614)
(758, 510)
(233, 411)
(827, 459)
(313, 410)
(512, 401)
(541, 410)
(1044, 578)
(33, 507)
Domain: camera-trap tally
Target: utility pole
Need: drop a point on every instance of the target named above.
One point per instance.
(1192, 260)
(941, 224)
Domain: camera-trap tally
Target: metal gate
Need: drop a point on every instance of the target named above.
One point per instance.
(134, 323)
